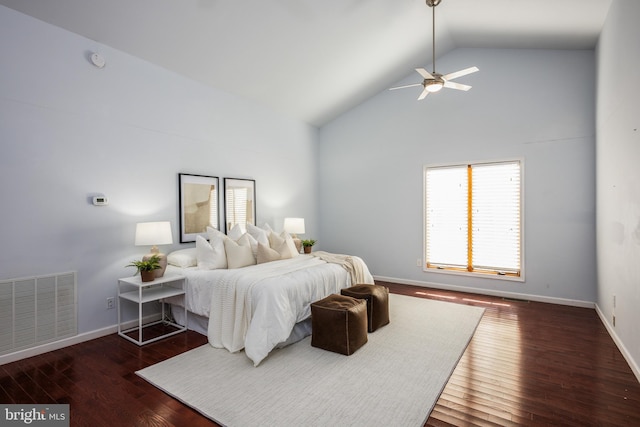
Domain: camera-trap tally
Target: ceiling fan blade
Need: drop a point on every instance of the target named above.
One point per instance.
(460, 73)
(424, 73)
(459, 86)
(423, 95)
(405, 86)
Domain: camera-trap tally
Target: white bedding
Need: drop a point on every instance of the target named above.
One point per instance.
(256, 307)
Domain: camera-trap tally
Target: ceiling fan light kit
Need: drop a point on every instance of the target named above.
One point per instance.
(434, 82)
(434, 87)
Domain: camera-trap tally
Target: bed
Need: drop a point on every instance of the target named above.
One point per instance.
(259, 307)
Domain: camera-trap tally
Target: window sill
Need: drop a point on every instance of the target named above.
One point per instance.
(493, 276)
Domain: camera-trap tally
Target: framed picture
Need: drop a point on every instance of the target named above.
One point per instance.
(239, 203)
(198, 196)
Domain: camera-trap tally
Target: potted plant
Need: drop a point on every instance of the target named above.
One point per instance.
(147, 267)
(307, 245)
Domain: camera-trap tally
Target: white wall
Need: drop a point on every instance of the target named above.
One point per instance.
(618, 176)
(69, 130)
(537, 105)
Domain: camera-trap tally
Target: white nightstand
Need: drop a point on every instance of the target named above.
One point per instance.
(135, 290)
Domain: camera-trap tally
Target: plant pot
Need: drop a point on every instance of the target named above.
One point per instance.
(148, 276)
(307, 249)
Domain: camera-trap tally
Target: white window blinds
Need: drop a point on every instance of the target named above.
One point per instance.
(473, 217)
(447, 216)
(495, 207)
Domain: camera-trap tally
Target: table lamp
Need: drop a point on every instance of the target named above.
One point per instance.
(153, 234)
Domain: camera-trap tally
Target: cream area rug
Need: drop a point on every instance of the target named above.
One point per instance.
(393, 380)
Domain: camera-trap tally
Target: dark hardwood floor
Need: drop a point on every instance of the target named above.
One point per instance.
(527, 364)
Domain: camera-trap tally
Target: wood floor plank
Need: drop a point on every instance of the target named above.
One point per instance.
(528, 364)
(544, 364)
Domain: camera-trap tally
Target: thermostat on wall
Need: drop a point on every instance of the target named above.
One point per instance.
(100, 201)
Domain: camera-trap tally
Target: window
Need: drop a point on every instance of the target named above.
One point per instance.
(473, 218)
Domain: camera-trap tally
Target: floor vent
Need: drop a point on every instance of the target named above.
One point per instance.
(37, 310)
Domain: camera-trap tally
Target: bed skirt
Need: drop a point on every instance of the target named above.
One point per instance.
(200, 324)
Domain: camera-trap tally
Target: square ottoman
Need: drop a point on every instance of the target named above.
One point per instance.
(339, 324)
(377, 298)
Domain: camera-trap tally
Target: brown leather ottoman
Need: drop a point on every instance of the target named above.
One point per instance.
(377, 298)
(339, 324)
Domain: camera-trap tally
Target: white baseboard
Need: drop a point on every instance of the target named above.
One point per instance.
(625, 353)
(512, 295)
(77, 339)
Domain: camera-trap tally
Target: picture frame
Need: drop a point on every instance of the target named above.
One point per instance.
(198, 197)
(239, 203)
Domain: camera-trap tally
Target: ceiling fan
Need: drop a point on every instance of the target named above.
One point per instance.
(433, 81)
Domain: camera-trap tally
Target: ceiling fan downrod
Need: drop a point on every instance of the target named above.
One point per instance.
(433, 4)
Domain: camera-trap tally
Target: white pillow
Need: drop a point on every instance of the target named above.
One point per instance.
(212, 255)
(292, 245)
(214, 233)
(261, 235)
(279, 244)
(247, 240)
(235, 233)
(266, 254)
(283, 243)
(238, 255)
(183, 258)
(216, 240)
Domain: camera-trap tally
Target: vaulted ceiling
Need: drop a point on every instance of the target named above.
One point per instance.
(313, 60)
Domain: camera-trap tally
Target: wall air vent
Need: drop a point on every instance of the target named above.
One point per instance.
(37, 310)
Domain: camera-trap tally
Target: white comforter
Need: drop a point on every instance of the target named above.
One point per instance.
(256, 307)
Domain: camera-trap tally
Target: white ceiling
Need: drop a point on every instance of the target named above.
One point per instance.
(313, 60)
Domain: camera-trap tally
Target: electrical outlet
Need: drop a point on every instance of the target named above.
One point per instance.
(111, 303)
(418, 262)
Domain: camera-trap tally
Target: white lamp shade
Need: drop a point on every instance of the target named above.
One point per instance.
(294, 225)
(153, 233)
